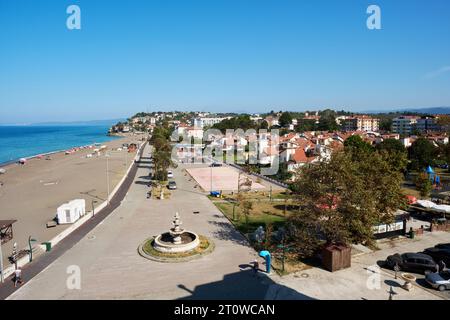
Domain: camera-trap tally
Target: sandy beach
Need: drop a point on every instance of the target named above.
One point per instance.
(31, 193)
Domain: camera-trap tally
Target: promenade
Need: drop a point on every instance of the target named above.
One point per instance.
(111, 267)
(31, 193)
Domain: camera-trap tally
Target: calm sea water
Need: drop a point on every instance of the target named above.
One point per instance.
(25, 141)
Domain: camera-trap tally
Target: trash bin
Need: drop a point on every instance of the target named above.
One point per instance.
(48, 246)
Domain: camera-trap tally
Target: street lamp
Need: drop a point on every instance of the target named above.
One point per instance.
(1, 262)
(30, 241)
(107, 176)
(14, 255)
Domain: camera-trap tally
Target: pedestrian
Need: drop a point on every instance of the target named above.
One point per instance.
(255, 267)
(18, 277)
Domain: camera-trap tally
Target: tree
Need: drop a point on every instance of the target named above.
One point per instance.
(306, 125)
(356, 144)
(247, 206)
(386, 124)
(341, 200)
(285, 119)
(264, 125)
(327, 121)
(422, 153)
(423, 184)
(396, 151)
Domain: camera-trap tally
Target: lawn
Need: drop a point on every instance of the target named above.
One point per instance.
(257, 217)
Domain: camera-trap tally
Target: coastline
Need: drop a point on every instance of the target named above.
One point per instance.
(31, 193)
(36, 156)
(29, 142)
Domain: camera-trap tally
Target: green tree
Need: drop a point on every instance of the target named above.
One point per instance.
(341, 200)
(306, 125)
(285, 119)
(423, 184)
(386, 124)
(422, 153)
(327, 121)
(398, 155)
(264, 125)
(356, 144)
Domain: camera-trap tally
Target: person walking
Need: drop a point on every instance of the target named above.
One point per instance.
(18, 277)
(255, 267)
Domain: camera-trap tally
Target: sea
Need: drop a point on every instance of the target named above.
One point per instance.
(30, 140)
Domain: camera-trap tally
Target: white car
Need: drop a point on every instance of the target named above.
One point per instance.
(169, 174)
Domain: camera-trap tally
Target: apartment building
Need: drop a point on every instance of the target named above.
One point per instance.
(404, 124)
(361, 123)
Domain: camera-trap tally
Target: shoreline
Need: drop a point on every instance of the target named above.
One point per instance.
(32, 193)
(36, 156)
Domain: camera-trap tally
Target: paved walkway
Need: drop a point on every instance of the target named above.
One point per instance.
(43, 261)
(112, 269)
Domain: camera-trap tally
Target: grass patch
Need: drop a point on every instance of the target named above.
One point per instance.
(255, 219)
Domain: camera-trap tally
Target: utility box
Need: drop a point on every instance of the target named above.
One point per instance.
(336, 257)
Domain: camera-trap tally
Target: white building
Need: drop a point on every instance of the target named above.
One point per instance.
(207, 122)
(71, 211)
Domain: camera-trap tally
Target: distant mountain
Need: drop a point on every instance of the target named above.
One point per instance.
(432, 110)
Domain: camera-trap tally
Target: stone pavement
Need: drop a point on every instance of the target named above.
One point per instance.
(112, 269)
(351, 284)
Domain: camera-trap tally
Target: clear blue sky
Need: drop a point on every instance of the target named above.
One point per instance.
(219, 55)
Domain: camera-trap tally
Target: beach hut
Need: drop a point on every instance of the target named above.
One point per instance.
(71, 211)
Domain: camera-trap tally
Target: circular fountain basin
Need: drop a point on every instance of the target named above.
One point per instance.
(163, 242)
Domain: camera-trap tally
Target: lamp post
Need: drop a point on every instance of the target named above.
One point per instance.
(30, 241)
(2, 279)
(107, 176)
(14, 255)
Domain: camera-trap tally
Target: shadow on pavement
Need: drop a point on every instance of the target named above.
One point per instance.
(392, 283)
(226, 231)
(243, 285)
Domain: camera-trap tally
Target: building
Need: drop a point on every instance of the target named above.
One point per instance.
(207, 122)
(428, 124)
(361, 123)
(404, 124)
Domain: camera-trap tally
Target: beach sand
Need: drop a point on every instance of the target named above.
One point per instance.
(31, 193)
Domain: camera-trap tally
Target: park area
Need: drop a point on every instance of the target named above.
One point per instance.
(267, 211)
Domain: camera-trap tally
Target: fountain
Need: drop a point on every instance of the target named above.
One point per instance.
(177, 239)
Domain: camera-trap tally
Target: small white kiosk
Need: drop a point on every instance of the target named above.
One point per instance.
(71, 211)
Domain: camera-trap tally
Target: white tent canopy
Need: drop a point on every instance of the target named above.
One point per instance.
(431, 205)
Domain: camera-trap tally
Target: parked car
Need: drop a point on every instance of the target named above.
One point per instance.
(216, 164)
(172, 185)
(415, 262)
(439, 281)
(169, 174)
(443, 246)
(439, 255)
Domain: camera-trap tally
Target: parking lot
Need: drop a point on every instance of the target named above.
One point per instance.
(365, 280)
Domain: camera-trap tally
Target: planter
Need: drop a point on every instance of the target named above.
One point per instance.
(409, 279)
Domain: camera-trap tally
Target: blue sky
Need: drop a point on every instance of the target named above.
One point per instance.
(219, 55)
